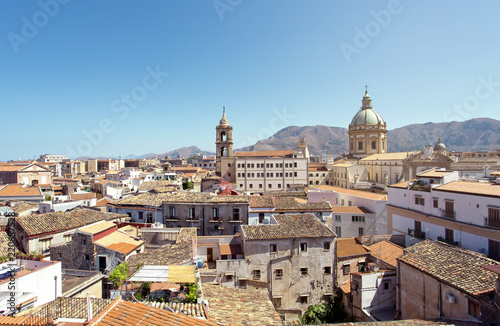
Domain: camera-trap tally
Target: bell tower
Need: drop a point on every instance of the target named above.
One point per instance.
(223, 142)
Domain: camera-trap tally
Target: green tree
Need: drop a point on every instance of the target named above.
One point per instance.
(119, 274)
(335, 309)
(188, 185)
(315, 314)
(192, 295)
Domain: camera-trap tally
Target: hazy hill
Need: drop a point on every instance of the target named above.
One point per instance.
(471, 135)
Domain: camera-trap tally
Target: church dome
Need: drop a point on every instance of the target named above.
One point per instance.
(439, 146)
(367, 115)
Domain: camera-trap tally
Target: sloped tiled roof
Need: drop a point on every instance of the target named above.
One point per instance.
(458, 267)
(386, 251)
(82, 196)
(240, 306)
(157, 199)
(134, 313)
(119, 241)
(294, 204)
(22, 206)
(174, 254)
(98, 227)
(186, 235)
(189, 309)
(17, 190)
(289, 226)
(62, 221)
(357, 193)
(388, 156)
(5, 243)
(473, 188)
(261, 201)
(150, 185)
(351, 209)
(347, 247)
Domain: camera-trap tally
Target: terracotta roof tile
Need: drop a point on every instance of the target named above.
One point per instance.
(351, 209)
(459, 267)
(347, 247)
(240, 306)
(135, 313)
(387, 252)
(62, 221)
(357, 193)
(175, 254)
(16, 190)
(289, 226)
(473, 188)
(82, 196)
(119, 241)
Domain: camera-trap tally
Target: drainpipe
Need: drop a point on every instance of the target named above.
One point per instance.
(55, 287)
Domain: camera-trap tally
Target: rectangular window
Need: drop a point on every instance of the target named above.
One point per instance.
(294, 164)
(374, 145)
(303, 271)
(346, 269)
(494, 217)
(327, 270)
(326, 245)
(360, 145)
(303, 246)
(303, 299)
(279, 273)
(448, 235)
(473, 308)
(236, 214)
(358, 218)
(273, 247)
(338, 218)
(349, 203)
(86, 257)
(216, 213)
(277, 302)
(269, 185)
(67, 237)
(191, 212)
(494, 249)
(256, 274)
(140, 216)
(387, 285)
(338, 231)
(449, 209)
(45, 244)
(295, 174)
(435, 203)
(418, 226)
(260, 185)
(361, 231)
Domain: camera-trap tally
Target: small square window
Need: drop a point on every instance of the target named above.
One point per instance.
(87, 257)
(326, 245)
(273, 247)
(387, 285)
(277, 302)
(338, 218)
(303, 299)
(328, 270)
(256, 274)
(279, 273)
(229, 277)
(303, 271)
(303, 246)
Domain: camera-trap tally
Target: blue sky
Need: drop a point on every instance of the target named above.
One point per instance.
(120, 77)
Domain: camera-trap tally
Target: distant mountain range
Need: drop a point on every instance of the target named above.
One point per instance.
(471, 135)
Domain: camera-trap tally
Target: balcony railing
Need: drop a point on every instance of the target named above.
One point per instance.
(236, 221)
(416, 234)
(449, 214)
(453, 243)
(494, 222)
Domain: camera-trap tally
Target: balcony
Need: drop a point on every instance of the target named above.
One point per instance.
(215, 221)
(416, 234)
(448, 214)
(192, 220)
(493, 222)
(453, 243)
(236, 221)
(171, 219)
